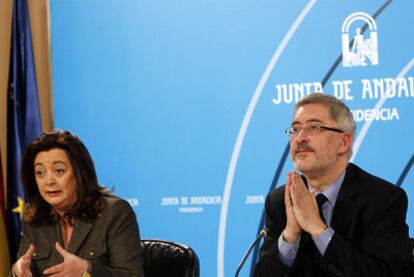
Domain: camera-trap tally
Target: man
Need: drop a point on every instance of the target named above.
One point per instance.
(361, 230)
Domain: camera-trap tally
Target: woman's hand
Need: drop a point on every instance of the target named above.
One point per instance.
(22, 267)
(72, 265)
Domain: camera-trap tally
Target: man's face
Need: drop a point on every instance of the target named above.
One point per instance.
(315, 153)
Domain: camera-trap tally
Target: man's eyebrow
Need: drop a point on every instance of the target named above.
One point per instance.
(312, 120)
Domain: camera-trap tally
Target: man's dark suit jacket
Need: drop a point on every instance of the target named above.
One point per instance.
(111, 242)
(371, 236)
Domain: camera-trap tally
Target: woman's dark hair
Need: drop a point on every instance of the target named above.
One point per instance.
(90, 194)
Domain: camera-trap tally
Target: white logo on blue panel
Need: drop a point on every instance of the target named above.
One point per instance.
(363, 51)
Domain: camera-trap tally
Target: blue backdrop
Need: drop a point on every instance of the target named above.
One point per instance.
(183, 103)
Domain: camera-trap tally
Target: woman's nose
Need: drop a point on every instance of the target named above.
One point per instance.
(50, 179)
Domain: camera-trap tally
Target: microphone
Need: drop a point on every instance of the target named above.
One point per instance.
(261, 235)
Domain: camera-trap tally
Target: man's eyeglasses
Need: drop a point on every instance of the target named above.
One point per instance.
(310, 130)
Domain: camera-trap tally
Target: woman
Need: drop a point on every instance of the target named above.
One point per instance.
(72, 226)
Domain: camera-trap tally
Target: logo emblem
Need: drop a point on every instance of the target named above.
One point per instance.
(361, 51)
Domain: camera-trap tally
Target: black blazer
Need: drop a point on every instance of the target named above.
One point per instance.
(111, 242)
(371, 236)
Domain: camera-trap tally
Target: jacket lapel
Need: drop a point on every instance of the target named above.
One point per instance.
(80, 231)
(345, 203)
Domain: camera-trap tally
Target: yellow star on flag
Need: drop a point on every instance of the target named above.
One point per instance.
(20, 208)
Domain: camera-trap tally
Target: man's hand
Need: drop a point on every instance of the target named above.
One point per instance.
(22, 267)
(292, 230)
(72, 265)
(305, 207)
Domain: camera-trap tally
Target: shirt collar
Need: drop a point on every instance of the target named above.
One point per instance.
(66, 219)
(332, 191)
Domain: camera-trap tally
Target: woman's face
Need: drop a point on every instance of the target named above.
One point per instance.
(55, 179)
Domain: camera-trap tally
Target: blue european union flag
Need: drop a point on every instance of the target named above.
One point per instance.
(23, 117)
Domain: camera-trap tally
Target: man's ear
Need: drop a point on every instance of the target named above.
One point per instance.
(345, 143)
